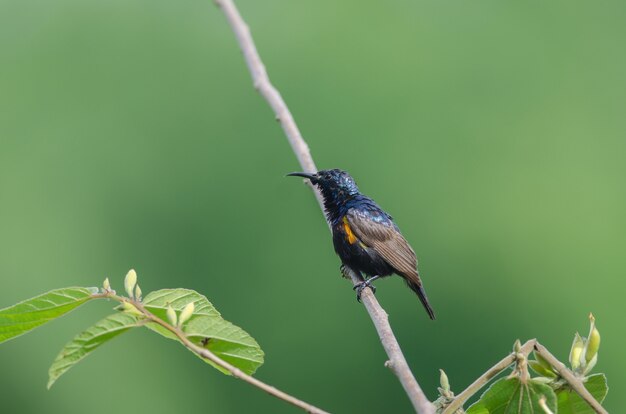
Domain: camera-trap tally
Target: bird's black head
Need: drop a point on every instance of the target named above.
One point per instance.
(337, 187)
(335, 183)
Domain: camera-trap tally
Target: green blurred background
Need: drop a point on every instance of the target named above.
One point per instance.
(131, 136)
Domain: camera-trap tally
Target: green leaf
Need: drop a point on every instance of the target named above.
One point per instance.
(156, 302)
(227, 341)
(18, 319)
(540, 369)
(571, 403)
(206, 328)
(87, 341)
(510, 396)
(477, 409)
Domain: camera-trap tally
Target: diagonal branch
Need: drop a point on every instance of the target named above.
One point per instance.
(206, 354)
(569, 376)
(526, 349)
(474, 387)
(397, 363)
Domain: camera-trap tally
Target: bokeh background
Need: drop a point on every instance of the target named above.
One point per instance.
(131, 136)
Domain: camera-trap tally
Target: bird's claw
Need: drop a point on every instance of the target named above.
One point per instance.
(360, 286)
(345, 273)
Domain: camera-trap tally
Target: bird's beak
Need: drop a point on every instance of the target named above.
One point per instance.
(312, 177)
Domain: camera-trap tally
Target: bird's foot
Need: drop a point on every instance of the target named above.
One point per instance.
(364, 284)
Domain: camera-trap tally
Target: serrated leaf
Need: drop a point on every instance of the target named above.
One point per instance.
(571, 403)
(87, 341)
(510, 396)
(25, 316)
(206, 328)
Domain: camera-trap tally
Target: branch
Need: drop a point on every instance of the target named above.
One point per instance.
(206, 354)
(488, 376)
(397, 363)
(569, 376)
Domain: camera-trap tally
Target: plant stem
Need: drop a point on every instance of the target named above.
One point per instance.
(572, 379)
(379, 317)
(544, 406)
(504, 363)
(206, 354)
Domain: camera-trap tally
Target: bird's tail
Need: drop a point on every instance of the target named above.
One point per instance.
(421, 293)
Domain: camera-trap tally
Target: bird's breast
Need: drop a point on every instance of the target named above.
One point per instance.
(353, 252)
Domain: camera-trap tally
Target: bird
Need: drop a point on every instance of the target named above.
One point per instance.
(365, 237)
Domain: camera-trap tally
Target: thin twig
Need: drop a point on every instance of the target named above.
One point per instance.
(569, 376)
(503, 364)
(261, 82)
(206, 354)
(544, 405)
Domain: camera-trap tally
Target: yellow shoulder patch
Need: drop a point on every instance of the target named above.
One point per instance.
(346, 227)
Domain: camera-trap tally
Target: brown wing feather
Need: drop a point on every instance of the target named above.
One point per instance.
(387, 241)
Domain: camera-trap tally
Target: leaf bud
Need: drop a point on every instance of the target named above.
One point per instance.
(577, 349)
(130, 281)
(129, 308)
(593, 341)
(443, 380)
(106, 285)
(186, 313)
(591, 364)
(171, 315)
(138, 292)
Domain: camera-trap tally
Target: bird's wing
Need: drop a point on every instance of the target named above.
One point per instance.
(383, 236)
